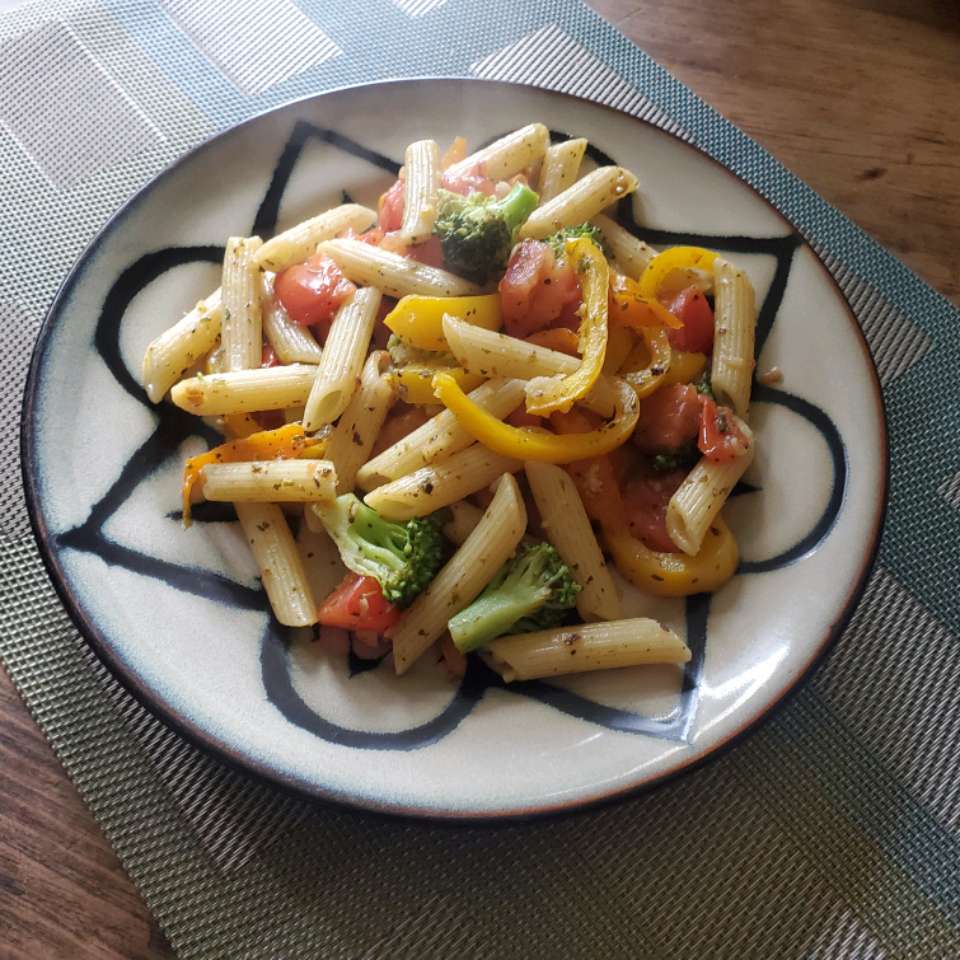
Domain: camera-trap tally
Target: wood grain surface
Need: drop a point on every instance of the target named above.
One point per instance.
(858, 97)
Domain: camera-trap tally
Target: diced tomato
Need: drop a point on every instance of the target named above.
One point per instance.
(645, 500)
(402, 420)
(372, 236)
(381, 332)
(358, 604)
(311, 292)
(536, 289)
(669, 419)
(691, 308)
(430, 252)
(720, 440)
(268, 356)
(391, 208)
(472, 181)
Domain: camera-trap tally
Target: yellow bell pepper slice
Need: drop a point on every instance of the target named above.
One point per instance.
(418, 320)
(284, 443)
(675, 258)
(533, 443)
(684, 367)
(415, 381)
(675, 574)
(630, 308)
(620, 344)
(646, 369)
(546, 395)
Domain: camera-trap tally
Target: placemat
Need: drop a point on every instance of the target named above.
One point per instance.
(830, 832)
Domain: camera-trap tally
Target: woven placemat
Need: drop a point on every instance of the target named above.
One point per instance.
(831, 832)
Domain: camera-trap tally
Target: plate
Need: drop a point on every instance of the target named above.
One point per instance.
(178, 615)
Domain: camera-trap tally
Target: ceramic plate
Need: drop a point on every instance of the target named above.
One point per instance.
(179, 616)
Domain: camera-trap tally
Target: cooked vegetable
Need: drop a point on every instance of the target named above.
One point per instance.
(533, 591)
(559, 239)
(401, 557)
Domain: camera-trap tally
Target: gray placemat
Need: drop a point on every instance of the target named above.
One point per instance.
(831, 832)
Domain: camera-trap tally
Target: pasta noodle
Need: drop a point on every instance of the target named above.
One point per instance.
(339, 371)
(320, 559)
(631, 254)
(567, 526)
(490, 544)
(464, 517)
(281, 570)
(582, 200)
(428, 489)
(735, 327)
(291, 342)
(589, 646)
(300, 242)
(287, 481)
(507, 156)
(393, 274)
(421, 170)
(171, 355)
(245, 391)
(356, 432)
(561, 164)
(241, 326)
(439, 437)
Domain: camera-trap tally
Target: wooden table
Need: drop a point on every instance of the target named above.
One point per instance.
(858, 97)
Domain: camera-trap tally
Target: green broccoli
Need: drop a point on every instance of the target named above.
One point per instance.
(402, 557)
(704, 385)
(533, 591)
(477, 232)
(558, 240)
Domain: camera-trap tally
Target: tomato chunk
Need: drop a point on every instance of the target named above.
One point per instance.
(537, 289)
(391, 208)
(691, 308)
(645, 500)
(669, 419)
(471, 181)
(358, 604)
(268, 356)
(721, 439)
(312, 292)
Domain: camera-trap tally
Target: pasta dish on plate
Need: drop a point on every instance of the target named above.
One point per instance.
(445, 420)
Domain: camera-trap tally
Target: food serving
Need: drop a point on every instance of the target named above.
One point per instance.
(445, 420)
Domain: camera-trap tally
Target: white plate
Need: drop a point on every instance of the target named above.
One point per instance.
(178, 614)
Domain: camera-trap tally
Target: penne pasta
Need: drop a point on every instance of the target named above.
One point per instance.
(588, 646)
(630, 253)
(698, 500)
(581, 201)
(561, 164)
(241, 331)
(492, 354)
(291, 342)
(270, 481)
(430, 488)
(393, 274)
(245, 391)
(343, 353)
(171, 355)
(464, 517)
(356, 432)
(565, 522)
(439, 437)
(491, 543)
(320, 559)
(300, 242)
(735, 327)
(421, 179)
(281, 570)
(507, 156)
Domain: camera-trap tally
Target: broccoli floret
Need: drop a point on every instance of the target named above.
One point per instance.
(402, 557)
(558, 240)
(533, 591)
(477, 232)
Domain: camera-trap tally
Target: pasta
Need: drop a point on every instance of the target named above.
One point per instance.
(421, 181)
(561, 163)
(373, 450)
(339, 370)
(579, 202)
(590, 646)
(300, 242)
(241, 328)
(432, 487)
(393, 274)
(467, 572)
(736, 323)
